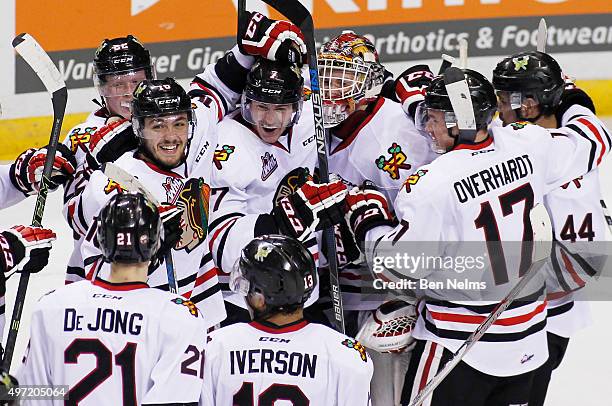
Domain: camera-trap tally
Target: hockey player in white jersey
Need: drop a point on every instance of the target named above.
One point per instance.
(280, 356)
(265, 154)
(176, 140)
(481, 189)
(117, 341)
(530, 87)
(372, 138)
(119, 65)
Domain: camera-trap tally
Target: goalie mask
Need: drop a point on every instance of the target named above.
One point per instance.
(280, 269)
(436, 113)
(528, 75)
(129, 229)
(349, 72)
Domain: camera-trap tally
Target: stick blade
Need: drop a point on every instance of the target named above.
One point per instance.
(463, 53)
(447, 61)
(31, 51)
(542, 36)
(127, 180)
(459, 94)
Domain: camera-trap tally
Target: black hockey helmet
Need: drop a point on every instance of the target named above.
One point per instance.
(122, 54)
(129, 229)
(273, 83)
(159, 97)
(278, 267)
(531, 74)
(483, 96)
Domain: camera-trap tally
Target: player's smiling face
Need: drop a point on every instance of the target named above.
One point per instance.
(271, 120)
(437, 129)
(165, 138)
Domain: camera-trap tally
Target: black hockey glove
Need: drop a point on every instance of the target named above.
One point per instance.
(366, 208)
(570, 97)
(274, 40)
(24, 249)
(26, 172)
(410, 87)
(110, 142)
(171, 221)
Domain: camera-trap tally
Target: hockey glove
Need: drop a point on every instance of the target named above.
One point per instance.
(274, 40)
(171, 217)
(347, 251)
(26, 172)
(111, 141)
(366, 208)
(311, 208)
(389, 328)
(8, 383)
(410, 87)
(571, 97)
(24, 249)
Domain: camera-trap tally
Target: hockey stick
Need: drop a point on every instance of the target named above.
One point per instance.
(542, 36)
(463, 53)
(300, 16)
(33, 54)
(447, 62)
(543, 235)
(130, 183)
(459, 95)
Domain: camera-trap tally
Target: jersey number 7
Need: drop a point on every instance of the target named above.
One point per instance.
(486, 220)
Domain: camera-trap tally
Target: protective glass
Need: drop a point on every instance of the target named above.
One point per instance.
(270, 115)
(238, 283)
(119, 83)
(432, 122)
(163, 125)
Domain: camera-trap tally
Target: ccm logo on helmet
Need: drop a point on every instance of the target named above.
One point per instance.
(123, 59)
(168, 101)
(271, 91)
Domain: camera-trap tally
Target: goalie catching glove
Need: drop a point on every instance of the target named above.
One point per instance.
(366, 208)
(389, 328)
(311, 208)
(274, 40)
(26, 172)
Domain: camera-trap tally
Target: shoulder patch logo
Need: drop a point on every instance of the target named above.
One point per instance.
(79, 138)
(222, 155)
(187, 303)
(521, 63)
(413, 179)
(112, 186)
(519, 125)
(268, 165)
(357, 346)
(394, 163)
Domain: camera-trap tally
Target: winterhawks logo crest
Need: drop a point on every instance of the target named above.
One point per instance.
(187, 303)
(394, 163)
(222, 155)
(357, 346)
(80, 138)
(112, 186)
(414, 179)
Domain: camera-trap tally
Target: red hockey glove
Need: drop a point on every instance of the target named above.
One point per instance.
(274, 40)
(110, 142)
(26, 171)
(366, 208)
(311, 208)
(25, 248)
(410, 87)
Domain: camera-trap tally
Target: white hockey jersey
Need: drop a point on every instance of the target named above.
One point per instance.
(576, 216)
(248, 176)
(9, 194)
(382, 145)
(484, 192)
(116, 344)
(259, 364)
(185, 186)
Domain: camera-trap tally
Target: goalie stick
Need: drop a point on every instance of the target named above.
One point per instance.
(132, 184)
(35, 56)
(543, 245)
(447, 62)
(300, 16)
